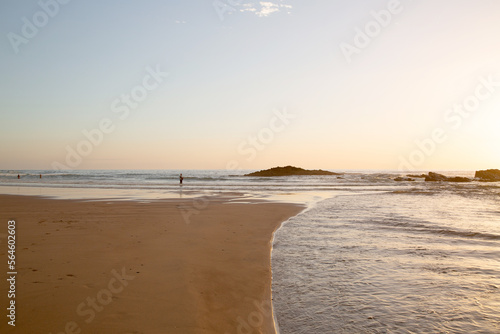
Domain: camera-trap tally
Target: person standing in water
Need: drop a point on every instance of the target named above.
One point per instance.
(180, 179)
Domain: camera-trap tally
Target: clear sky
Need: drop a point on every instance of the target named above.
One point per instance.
(171, 84)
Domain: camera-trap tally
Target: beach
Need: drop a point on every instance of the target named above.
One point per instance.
(124, 251)
(162, 266)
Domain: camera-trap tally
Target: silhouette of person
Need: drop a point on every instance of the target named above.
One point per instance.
(40, 175)
(180, 179)
(18, 176)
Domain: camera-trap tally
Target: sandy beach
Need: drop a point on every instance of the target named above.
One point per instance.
(133, 267)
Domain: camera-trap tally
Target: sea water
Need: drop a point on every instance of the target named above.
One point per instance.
(368, 255)
(424, 259)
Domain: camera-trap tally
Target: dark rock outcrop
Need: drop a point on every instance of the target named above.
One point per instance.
(400, 179)
(417, 176)
(434, 177)
(488, 175)
(459, 179)
(290, 170)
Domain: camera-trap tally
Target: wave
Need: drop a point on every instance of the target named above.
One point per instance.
(415, 191)
(470, 234)
(432, 228)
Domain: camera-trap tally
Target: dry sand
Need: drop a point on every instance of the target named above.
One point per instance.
(130, 267)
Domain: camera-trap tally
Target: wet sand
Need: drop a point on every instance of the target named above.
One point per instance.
(168, 266)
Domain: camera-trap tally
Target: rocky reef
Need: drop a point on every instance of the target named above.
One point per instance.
(417, 176)
(489, 175)
(401, 179)
(290, 170)
(434, 177)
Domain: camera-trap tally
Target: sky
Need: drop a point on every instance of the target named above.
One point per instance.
(240, 84)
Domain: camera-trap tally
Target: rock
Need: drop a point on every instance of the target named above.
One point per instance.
(290, 170)
(488, 175)
(458, 179)
(439, 177)
(433, 177)
(400, 179)
(417, 176)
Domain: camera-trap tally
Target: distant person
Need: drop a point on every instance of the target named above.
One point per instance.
(18, 176)
(40, 175)
(180, 179)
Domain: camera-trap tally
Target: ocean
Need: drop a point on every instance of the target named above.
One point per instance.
(367, 255)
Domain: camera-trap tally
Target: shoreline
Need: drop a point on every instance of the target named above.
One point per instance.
(275, 318)
(186, 193)
(211, 274)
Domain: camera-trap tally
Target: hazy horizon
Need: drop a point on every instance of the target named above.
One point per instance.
(367, 85)
(255, 169)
